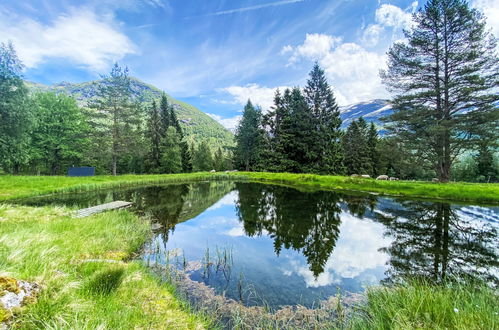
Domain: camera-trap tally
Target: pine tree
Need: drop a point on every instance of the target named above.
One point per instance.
(249, 138)
(445, 80)
(120, 115)
(154, 131)
(171, 161)
(16, 119)
(326, 114)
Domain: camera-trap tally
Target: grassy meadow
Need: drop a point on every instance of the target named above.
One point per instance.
(89, 280)
(12, 187)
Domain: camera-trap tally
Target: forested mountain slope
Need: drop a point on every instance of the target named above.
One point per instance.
(196, 124)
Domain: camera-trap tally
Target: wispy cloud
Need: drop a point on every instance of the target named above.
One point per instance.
(243, 9)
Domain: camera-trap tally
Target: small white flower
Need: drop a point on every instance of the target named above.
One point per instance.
(456, 310)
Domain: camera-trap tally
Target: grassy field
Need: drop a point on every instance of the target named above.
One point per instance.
(12, 187)
(81, 264)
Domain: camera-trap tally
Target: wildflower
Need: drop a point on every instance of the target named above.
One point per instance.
(456, 310)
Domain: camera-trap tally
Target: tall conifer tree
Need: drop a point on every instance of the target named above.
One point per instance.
(154, 131)
(445, 78)
(326, 114)
(249, 138)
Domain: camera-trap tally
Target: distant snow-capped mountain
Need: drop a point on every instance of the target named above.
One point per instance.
(372, 111)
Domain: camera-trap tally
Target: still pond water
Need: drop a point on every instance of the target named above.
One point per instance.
(280, 246)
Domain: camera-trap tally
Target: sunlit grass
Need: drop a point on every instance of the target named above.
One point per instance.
(421, 305)
(81, 264)
(12, 187)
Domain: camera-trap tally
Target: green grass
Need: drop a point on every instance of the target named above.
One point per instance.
(45, 245)
(79, 290)
(12, 187)
(420, 305)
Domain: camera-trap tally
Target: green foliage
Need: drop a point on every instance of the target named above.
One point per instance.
(16, 118)
(202, 159)
(171, 158)
(154, 134)
(326, 117)
(197, 126)
(302, 130)
(357, 158)
(120, 124)
(59, 138)
(249, 138)
(487, 166)
(445, 80)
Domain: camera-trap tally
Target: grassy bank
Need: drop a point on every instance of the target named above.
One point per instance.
(81, 265)
(420, 305)
(452, 191)
(12, 187)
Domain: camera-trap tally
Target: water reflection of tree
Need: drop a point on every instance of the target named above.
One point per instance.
(432, 241)
(171, 204)
(303, 221)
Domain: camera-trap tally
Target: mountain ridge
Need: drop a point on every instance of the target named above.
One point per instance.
(197, 125)
(371, 111)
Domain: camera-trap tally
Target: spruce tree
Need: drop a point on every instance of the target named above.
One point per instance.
(249, 138)
(164, 112)
(154, 134)
(297, 144)
(326, 114)
(16, 118)
(171, 161)
(357, 158)
(445, 80)
(372, 145)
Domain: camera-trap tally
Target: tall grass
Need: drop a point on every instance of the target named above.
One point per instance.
(421, 305)
(81, 264)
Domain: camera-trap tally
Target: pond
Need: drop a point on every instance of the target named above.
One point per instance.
(274, 245)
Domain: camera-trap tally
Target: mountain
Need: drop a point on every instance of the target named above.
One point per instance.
(372, 111)
(196, 124)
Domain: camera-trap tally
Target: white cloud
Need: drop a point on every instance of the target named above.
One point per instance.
(393, 16)
(351, 69)
(229, 123)
(490, 8)
(79, 36)
(356, 255)
(256, 7)
(261, 96)
(315, 46)
(371, 35)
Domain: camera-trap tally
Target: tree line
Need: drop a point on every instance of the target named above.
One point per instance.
(444, 79)
(47, 132)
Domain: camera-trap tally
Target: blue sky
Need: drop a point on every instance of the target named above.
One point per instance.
(214, 54)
